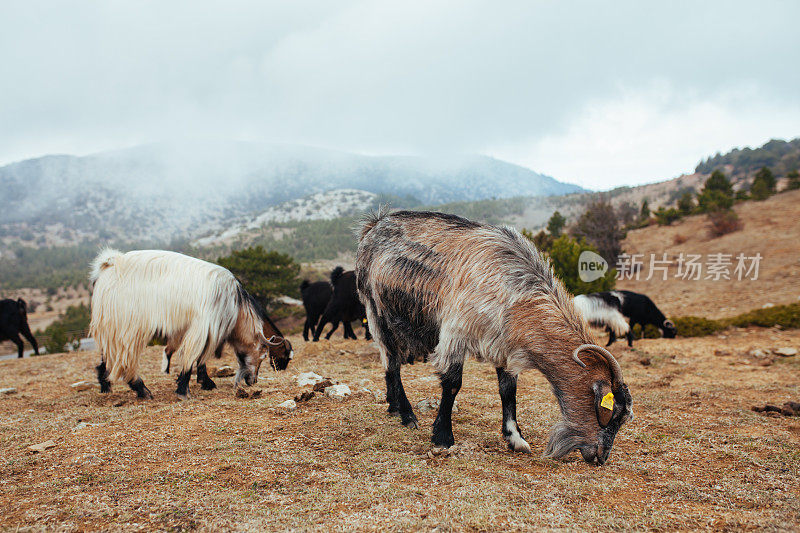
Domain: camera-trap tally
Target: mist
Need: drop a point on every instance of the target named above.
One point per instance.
(593, 95)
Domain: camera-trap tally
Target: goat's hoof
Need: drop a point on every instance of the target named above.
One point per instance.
(518, 444)
(410, 423)
(105, 389)
(442, 440)
(208, 385)
(183, 397)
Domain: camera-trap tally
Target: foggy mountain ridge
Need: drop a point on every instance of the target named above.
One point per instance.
(163, 191)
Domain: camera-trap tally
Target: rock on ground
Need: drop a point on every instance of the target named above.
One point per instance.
(786, 351)
(337, 392)
(308, 378)
(290, 405)
(42, 446)
(224, 371)
(81, 385)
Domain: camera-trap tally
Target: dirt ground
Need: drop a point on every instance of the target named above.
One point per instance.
(695, 457)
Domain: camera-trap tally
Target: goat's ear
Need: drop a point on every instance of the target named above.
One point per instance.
(603, 402)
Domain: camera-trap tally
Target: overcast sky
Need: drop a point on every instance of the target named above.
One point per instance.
(595, 93)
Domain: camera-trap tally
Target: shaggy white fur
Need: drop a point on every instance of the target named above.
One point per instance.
(141, 294)
(599, 313)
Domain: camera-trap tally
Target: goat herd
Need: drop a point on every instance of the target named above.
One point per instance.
(429, 285)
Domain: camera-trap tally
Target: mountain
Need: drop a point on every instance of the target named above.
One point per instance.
(159, 192)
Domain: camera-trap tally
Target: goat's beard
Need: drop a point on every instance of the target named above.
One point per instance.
(563, 439)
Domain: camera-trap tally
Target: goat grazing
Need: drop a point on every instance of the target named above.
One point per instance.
(344, 306)
(610, 309)
(195, 305)
(14, 322)
(442, 285)
(280, 353)
(315, 298)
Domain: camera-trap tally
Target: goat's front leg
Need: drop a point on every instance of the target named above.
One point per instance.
(507, 385)
(612, 337)
(443, 425)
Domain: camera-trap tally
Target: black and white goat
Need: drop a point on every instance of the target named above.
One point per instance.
(344, 306)
(620, 311)
(14, 322)
(442, 285)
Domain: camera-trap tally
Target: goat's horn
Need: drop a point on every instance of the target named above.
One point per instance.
(616, 370)
(273, 342)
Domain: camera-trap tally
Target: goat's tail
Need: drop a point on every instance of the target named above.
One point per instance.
(336, 273)
(369, 220)
(104, 260)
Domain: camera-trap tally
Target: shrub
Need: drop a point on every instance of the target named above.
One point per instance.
(556, 224)
(787, 316)
(686, 203)
(723, 222)
(694, 326)
(717, 193)
(665, 217)
(68, 329)
(679, 238)
(763, 184)
(265, 275)
(599, 226)
(794, 180)
(564, 254)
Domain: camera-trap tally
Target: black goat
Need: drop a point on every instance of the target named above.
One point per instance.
(315, 299)
(14, 322)
(344, 306)
(604, 308)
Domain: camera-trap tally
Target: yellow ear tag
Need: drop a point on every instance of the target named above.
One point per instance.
(608, 401)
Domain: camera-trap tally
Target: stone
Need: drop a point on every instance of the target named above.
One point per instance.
(379, 396)
(758, 353)
(722, 353)
(225, 371)
(289, 405)
(81, 385)
(42, 446)
(786, 351)
(304, 396)
(8, 390)
(337, 392)
(308, 378)
(322, 385)
(432, 404)
(241, 393)
(84, 425)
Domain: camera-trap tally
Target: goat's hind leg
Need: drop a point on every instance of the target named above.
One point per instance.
(507, 385)
(443, 425)
(206, 383)
(396, 394)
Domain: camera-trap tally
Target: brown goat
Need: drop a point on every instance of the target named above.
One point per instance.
(439, 284)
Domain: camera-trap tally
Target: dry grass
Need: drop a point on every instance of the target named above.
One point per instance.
(695, 457)
(770, 228)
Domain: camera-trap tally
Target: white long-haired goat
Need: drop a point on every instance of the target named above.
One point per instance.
(146, 293)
